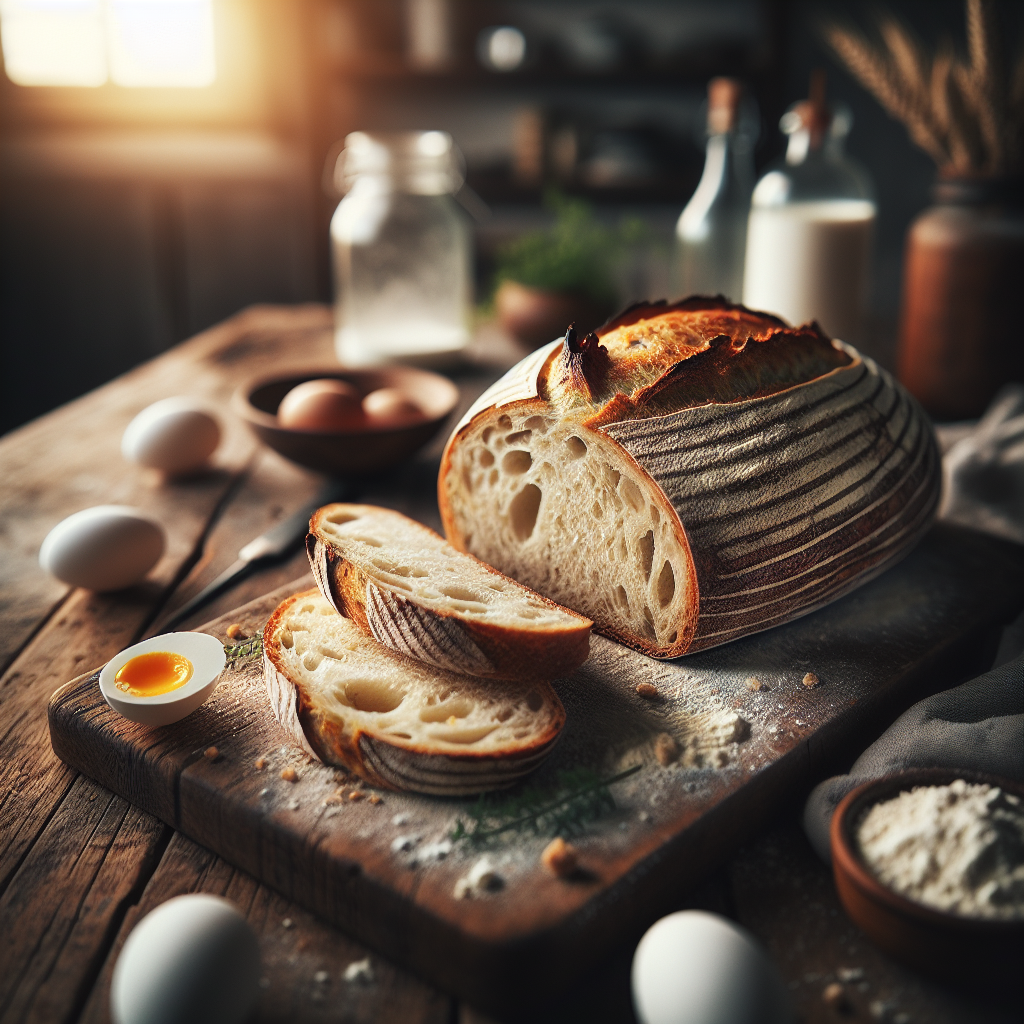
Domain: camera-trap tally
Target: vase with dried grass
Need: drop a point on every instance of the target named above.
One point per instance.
(960, 336)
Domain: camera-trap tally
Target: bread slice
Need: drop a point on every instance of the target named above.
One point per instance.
(411, 590)
(394, 721)
(691, 473)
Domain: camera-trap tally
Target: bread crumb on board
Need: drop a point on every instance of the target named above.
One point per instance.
(560, 858)
(810, 680)
(666, 750)
(260, 763)
(236, 631)
(289, 774)
(647, 690)
(211, 754)
(356, 794)
(756, 685)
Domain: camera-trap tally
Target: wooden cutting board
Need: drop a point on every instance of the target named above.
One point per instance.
(387, 872)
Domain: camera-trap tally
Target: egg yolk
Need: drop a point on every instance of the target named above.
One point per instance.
(147, 675)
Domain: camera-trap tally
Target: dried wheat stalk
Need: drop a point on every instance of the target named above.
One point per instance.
(967, 116)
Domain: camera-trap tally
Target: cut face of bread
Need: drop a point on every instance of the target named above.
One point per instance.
(691, 474)
(411, 590)
(397, 723)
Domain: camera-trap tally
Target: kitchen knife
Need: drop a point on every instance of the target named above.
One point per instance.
(268, 548)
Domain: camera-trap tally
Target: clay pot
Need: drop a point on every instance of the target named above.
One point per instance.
(960, 335)
(534, 317)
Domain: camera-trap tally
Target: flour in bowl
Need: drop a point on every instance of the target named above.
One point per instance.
(958, 848)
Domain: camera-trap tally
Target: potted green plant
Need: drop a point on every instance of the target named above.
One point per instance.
(547, 279)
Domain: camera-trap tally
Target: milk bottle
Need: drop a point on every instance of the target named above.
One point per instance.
(810, 226)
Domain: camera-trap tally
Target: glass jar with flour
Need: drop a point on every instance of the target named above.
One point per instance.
(401, 250)
(811, 220)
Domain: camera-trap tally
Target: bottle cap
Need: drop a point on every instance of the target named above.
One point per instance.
(724, 95)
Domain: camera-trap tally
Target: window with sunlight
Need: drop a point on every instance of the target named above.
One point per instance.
(143, 43)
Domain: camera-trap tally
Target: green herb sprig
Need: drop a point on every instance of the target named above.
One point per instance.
(579, 796)
(246, 651)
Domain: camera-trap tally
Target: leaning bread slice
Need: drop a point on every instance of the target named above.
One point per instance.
(412, 591)
(396, 722)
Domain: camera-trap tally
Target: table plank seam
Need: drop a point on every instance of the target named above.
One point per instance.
(37, 629)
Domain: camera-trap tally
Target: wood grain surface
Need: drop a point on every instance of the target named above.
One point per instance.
(342, 861)
(79, 866)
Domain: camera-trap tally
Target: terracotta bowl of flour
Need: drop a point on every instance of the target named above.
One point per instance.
(967, 951)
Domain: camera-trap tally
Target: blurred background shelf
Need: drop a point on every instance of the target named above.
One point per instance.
(131, 218)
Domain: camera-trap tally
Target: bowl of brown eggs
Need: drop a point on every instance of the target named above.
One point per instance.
(347, 421)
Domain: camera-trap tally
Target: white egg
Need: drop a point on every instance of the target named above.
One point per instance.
(206, 655)
(193, 960)
(698, 968)
(106, 547)
(176, 435)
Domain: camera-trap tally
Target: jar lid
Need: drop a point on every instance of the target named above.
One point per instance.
(423, 163)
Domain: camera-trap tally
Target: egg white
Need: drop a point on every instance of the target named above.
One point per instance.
(208, 660)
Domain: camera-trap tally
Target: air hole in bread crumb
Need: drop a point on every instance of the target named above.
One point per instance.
(503, 715)
(534, 701)
(492, 479)
(485, 457)
(655, 515)
(370, 695)
(306, 609)
(311, 661)
(648, 623)
(632, 494)
(597, 510)
(516, 462)
(645, 547)
(523, 511)
(504, 423)
(463, 736)
(486, 435)
(457, 708)
(621, 598)
(457, 593)
(340, 518)
(400, 735)
(666, 585)
(287, 640)
(577, 446)
(520, 437)
(537, 423)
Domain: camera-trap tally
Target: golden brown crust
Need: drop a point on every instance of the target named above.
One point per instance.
(367, 754)
(657, 358)
(507, 652)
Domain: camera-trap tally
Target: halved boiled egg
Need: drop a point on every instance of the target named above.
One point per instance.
(164, 678)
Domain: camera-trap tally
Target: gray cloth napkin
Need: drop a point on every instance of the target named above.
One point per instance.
(978, 726)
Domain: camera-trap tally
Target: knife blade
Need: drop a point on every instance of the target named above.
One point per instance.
(269, 547)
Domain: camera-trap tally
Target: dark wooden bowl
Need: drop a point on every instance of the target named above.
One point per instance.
(969, 952)
(353, 451)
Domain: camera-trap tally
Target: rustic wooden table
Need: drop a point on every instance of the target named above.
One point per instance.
(79, 866)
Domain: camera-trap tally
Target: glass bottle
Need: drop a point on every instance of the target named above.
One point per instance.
(401, 250)
(811, 221)
(711, 232)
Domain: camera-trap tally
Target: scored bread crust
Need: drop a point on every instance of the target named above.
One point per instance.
(399, 724)
(693, 473)
(390, 574)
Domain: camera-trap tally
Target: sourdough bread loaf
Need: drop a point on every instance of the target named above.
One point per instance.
(691, 473)
(349, 701)
(411, 590)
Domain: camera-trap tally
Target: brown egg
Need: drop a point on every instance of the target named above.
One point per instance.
(327, 404)
(391, 407)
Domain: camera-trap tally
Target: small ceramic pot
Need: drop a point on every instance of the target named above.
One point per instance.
(339, 453)
(960, 336)
(534, 317)
(968, 951)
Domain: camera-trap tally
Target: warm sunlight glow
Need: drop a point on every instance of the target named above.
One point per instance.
(154, 43)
